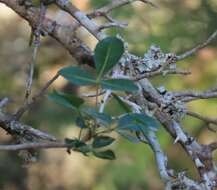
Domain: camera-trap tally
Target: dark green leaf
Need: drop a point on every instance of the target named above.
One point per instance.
(83, 149)
(66, 100)
(77, 76)
(138, 122)
(108, 154)
(129, 136)
(107, 54)
(122, 104)
(80, 122)
(74, 143)
(146, 121)
(119, 84)
(102, 117)
(101, 141)
(78, 145)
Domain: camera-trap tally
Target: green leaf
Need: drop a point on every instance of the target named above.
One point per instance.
(80, 122)
(74, 143)
(129, 136)
(138, 122)
(101, 141)
(107, 54)
(77, 76)
(102, 117)
(83, 149)
(78, 146)
(122, 104)
(108, 154)
(119, 84)
(66, 100)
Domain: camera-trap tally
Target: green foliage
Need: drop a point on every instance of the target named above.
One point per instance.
(77, 76)
(138, 122)
(119, 84)
(80, 122)
(101, 141)
(107, 54)
(128, 135)
(102, 117)
(77, 145)
(66, 100)
(107, 154)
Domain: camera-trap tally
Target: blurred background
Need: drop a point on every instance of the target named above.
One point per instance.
(175, 26)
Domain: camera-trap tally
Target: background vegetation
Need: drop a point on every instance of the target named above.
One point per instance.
(176, 26)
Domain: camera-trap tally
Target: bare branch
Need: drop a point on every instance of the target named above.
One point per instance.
(16, 128)
(162, 72)
(112, 24)
(115, 4)
(4, 102)
(213, 146)
(27, 105)
(192, 95)
(26, 146)
(62, 33)
(82, 18)
(197, 48)
(203, 118)
(36, 34)
(159, 155)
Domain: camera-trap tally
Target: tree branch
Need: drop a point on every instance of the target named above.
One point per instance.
(26, 146)
(198, 47)
(203, 118)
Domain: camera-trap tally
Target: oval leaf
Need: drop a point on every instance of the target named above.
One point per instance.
(102, 117)
(138, 122)
(77, 76)
(78, 146)
(80, 122)
(101, 141)
(107, 54)
(108, 154)
(66, 100)
(119, 84)
(129, 136)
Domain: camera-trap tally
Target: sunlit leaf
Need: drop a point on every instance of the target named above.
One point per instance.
(77, 76)
(107, 54)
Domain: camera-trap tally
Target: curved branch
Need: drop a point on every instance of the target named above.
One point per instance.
(198, 47)
(62, 33)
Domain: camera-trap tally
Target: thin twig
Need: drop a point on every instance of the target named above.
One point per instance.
(115, 4)
(27, 105)
(111, 25)
(162, 72)
(197, 48)
(36, 43)
(201, 117)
